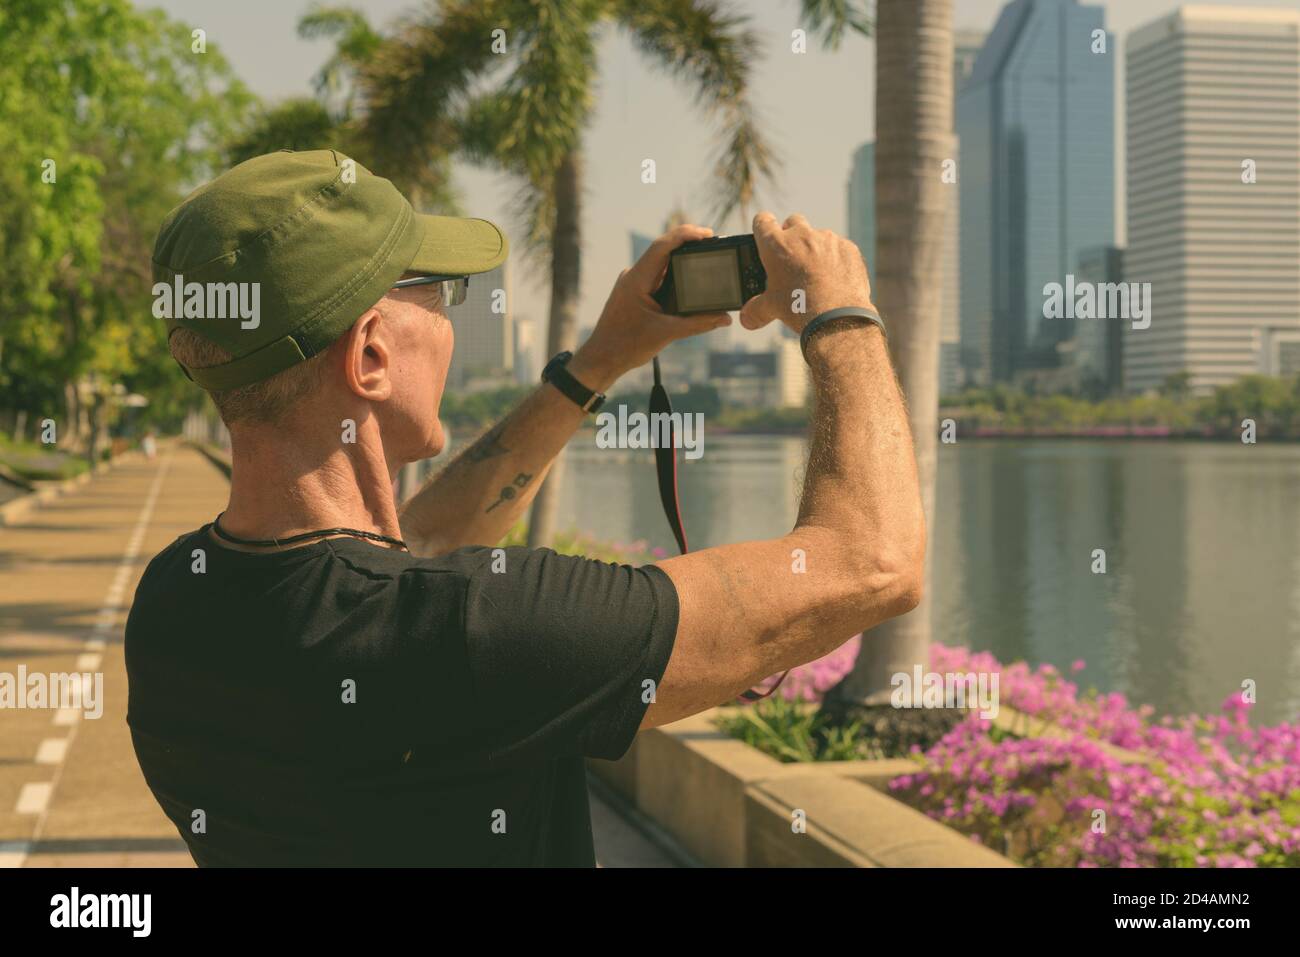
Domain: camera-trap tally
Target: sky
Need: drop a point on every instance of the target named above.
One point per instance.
(816, 107)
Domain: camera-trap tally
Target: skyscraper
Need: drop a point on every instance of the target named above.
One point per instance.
(484, 349)
(1035, 121)
(861, 201)
(1214, 194)
(527, 368)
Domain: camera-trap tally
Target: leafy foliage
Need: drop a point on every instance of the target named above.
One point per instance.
(1273, 403)
(114, 106)
(436, 88)
(790, 730)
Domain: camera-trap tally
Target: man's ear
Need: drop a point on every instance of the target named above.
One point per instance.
(367, 357)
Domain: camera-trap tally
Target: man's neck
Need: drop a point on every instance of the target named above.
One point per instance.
(280, 488)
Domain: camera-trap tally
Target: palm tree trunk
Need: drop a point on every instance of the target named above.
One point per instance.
(562, 331)
(914, 50)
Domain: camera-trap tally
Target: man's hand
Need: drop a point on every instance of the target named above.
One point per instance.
(825, 266)
(632, 328)
(745, 611)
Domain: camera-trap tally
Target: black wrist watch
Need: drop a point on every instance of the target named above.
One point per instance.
(559, 376)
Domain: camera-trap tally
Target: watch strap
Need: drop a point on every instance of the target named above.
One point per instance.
(559, 376)
(845, 312)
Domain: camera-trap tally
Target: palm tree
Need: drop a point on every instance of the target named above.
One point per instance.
(355, 42)
(914, 51)
(510, 83)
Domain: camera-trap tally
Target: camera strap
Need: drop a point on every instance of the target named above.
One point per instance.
(666, 471)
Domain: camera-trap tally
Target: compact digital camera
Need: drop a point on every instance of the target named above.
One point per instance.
(712, 275)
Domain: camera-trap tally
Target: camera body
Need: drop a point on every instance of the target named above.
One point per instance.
(719, 274)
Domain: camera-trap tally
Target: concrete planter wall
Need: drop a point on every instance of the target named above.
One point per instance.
(730, 805)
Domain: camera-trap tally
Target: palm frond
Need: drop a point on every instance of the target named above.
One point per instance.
(355, 43)
(297, 124)
(417, 82)
(829, 20)
(535, 118)
(698, 41)
(550, 88)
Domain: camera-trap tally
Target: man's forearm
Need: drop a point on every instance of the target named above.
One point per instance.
(478, 496)
(861, 491)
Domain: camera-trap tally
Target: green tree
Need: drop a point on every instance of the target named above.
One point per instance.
(510, 84)
(107, 116)
(355, 44)
(296, 124)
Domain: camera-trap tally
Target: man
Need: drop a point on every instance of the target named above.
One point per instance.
(323, 677)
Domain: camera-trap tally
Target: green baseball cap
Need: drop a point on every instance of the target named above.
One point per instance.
(278, 257)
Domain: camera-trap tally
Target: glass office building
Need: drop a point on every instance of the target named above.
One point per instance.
(1036, 125)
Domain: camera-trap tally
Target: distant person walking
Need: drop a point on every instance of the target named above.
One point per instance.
(149, 445)
(320, 676)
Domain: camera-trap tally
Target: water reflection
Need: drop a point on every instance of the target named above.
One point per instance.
(1201, 541)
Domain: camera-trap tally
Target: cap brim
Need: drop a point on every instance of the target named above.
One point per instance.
(454, 246)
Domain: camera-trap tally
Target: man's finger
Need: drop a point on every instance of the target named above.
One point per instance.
(653, 262)
(767, 236)
(756, 313)
(685, 326)
(796, 219)
(765, 227)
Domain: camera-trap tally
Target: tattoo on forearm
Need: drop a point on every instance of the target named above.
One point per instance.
(488, 447)
(509, 492)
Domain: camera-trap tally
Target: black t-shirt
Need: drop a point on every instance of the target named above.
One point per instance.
(344, 703)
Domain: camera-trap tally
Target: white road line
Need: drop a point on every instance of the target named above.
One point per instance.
(52, 751)
(34, 798)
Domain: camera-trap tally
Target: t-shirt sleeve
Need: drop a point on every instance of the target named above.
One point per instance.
(564, 653)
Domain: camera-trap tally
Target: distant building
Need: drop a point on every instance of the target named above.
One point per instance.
(1214, 99)
(966, 48)
(527, 366)
(861, 197)
(1098, 344)
(1035, 119)
(484, 352)
(792, 379)
(759, 380)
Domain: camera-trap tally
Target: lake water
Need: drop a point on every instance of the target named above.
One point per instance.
(1202, 542)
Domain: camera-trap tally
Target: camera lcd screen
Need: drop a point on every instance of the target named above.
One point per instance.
(709, 280)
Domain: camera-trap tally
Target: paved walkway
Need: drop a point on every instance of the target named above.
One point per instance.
(71, 793)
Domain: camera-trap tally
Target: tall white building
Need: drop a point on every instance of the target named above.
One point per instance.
(527, 368)
(485, 347)
(1213, 102)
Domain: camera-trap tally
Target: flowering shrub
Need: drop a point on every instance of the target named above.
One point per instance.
(1204, 791)
(1193, 791)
